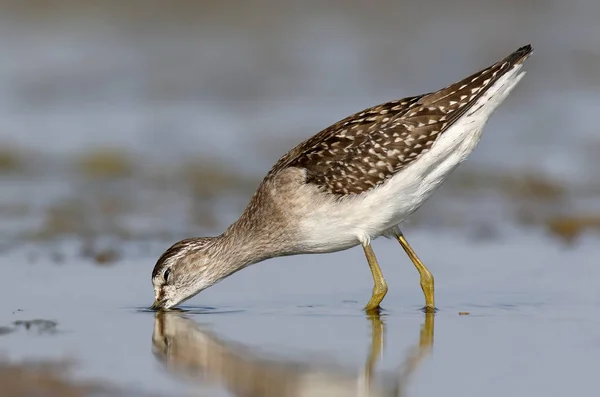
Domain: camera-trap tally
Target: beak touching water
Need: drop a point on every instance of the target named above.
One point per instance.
(157, 305)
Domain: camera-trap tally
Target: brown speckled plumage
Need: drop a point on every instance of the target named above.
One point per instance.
(347, 185)
(364, 150)
(179, 249)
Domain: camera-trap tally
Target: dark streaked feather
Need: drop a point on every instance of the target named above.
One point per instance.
(179, 249)
(364, 150)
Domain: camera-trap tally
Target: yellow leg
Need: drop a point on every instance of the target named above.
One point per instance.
(380, 288)
(426, 276)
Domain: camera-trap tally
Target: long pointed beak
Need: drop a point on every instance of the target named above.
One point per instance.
(157, 305)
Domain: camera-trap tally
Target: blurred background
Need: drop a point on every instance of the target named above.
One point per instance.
(126, 125)
(146, 117)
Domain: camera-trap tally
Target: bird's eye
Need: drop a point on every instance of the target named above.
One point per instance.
(167, 274)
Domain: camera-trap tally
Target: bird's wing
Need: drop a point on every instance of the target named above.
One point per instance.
(364, 150)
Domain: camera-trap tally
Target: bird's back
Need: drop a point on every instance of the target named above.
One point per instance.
(365, 174)
(366, 149)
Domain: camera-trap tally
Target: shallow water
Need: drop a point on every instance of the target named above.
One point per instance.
(531, 328)
(128, 127)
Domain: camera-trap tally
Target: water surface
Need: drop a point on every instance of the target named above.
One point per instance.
(531, 326)
(126, 127)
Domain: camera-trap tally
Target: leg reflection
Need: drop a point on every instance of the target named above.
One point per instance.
(418, 353)
(185, 348)
(376, 350)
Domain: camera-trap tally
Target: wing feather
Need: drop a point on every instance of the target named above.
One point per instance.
(364, 150)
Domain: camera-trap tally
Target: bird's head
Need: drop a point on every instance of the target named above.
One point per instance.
(182, 271)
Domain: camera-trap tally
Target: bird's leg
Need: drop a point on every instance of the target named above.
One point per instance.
(426, 276)
(380, 287)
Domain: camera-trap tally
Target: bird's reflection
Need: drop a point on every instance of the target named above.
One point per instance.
(187, 349)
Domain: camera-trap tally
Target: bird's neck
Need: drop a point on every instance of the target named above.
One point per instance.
(241, 245)
(259, 233)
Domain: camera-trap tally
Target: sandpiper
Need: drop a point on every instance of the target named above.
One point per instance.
(347, 185)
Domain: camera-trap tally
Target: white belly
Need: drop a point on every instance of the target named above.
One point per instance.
(336, 225)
